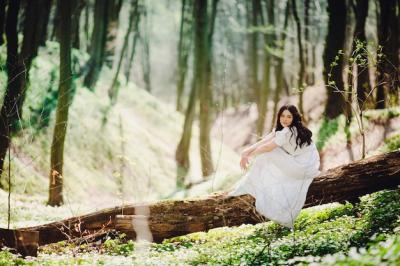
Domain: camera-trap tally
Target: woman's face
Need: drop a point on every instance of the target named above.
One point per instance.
(286, 118)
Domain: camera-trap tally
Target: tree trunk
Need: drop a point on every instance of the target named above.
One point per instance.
(113, 7)
(133, 16)
(279, 77)
(3, 4)
(171, 218)
(13, 69)
(60, 129)
(388, 68)
(133, 46)
(18, 66)
(182, 151)
(362, 73)
(184, 46)
(269, 40)
(44, 20)
(198, 84)
(301, 74)
(77, 7)
(206, 99)
(146, 51)
(252, 40)
(98, 43)
(334, 43)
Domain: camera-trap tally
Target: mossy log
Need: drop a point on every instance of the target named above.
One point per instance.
(156, 221)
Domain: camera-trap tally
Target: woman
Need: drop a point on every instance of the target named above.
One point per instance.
(286, 161)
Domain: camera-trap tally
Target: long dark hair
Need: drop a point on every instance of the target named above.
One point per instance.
(303, 134)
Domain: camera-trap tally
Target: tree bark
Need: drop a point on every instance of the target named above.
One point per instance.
(146, 66)
(206, 98)
(198, 84)
(133, 16)
(3, 4)
(18, 66)
(24, 242)
(113, 7)
(334, 43)
(60, 129)
(279, 77)
(184, 46)
(362, 73)
(171, 218)
(301, 73)
(269, 40)
(44, 20)
(388, 68)
(98, 43)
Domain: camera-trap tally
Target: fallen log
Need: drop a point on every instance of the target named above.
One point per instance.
(169, 218)
(20, 241)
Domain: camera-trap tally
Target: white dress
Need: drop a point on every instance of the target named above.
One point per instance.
(279, 179)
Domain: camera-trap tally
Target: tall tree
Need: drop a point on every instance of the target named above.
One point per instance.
(3, 4)
(184, 46)
(279, 76)
(112, 13)
(98, 43)
(133, 20)
(252, 42)
(60, 129)
(363, 84)
(269, 42)
(301, 73)
(333, 45)
(43, 20)
(199, 82)
(308, 78)
(206, 97)
(18, 66)
(145, 38)
(388, 68)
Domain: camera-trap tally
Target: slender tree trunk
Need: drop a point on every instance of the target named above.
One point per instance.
(307, 74)
(279, 77)
(334, 43)
(77, 8)
(60, 129)
(12, 70)
(133, 16)
(44, 20)
(269, 39)
(300, 80)
(18, 66)
(112, 13)
(388, 68)
(86, 27)
(146, 51)
(98, 43)
(184, 45)
(362, 73)
(252, 40)
(206, 99)
(132, 52)
(199, 82)
(182, 151)
(3, 4)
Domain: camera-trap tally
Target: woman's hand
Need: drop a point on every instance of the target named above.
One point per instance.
(244, 161)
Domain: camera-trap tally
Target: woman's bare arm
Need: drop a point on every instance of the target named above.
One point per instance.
(256, 145)
(266, 147)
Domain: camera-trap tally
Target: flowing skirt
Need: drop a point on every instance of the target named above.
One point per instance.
(279, 183)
